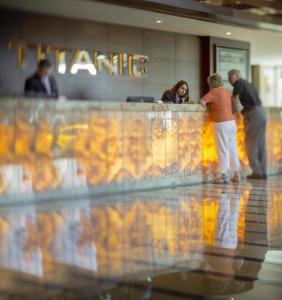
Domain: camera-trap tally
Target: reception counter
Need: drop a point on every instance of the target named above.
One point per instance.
(73, 149)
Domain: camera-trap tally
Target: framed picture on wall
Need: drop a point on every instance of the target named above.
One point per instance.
(231, 58)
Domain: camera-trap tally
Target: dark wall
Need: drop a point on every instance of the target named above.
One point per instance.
(172, 56)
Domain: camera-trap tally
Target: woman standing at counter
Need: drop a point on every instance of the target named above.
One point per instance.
(219, 101)
(179, 94)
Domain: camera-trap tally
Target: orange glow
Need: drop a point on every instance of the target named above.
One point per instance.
(157, 230)
(115, 146)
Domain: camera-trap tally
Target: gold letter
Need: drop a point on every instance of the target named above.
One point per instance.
(113, 64)
(120, 63)
(140, 61)
(82, 61)
(60, 59)
(130, 65)
(43, 51)
(20, 52)
(109, 64)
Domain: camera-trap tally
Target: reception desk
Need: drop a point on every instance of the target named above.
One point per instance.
(72, 149)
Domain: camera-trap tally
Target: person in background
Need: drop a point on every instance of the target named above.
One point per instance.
(179, 94)
(42, 83)
(255, 120)
(219, 101)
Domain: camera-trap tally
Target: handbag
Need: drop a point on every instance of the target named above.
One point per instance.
(237, 107)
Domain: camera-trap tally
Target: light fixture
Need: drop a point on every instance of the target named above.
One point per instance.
(228, 33)
(159, 21)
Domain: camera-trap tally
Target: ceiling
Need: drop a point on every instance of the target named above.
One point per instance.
(266, 46)
(246, 4)
(260, 7)
(246, 13)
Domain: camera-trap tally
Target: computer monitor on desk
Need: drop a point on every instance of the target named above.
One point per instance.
(140, 99)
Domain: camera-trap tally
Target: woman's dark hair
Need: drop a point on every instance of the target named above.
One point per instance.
(178, 85)
(167, 96)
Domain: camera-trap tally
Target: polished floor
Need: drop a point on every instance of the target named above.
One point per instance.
(200, 242)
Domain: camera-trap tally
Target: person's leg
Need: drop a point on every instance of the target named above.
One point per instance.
(261, 143)
(233, 149)
(262, 151)
(252, 124)
(221, 139)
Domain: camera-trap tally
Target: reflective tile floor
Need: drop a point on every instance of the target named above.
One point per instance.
(200, 242)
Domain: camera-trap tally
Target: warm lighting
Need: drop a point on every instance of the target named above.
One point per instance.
(90, 147)
(228, 33)
(153, 230)
(159, 21)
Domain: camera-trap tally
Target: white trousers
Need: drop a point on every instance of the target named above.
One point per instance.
(225, 138)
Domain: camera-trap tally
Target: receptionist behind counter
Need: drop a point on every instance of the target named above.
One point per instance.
(179, 94)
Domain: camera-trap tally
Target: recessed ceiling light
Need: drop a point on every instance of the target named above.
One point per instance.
(159, 21)
(228, 33)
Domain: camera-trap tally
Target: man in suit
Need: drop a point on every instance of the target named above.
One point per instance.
(42, 83)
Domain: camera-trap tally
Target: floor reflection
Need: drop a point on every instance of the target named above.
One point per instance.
(186, 243)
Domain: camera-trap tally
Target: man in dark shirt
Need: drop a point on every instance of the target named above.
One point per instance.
(254, 121)
(42, 83)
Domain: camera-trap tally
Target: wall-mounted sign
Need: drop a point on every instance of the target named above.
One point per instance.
(94, 62)
(231, 58)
